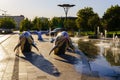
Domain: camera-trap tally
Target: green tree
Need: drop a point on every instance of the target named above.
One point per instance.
(40, 23)
(26, 24)
(45, 24)
(87, 19)
(80, 22)
(56, 22)
(93, 23)
(111, 18)
(70, 25)
(7, 23)
(37, 24)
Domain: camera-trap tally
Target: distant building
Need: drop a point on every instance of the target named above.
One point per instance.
(17, 19)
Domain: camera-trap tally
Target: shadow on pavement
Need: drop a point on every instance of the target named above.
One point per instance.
(67, 58)
(40, 62)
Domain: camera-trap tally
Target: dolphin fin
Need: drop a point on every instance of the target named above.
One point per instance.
(53, 49)
(17, 46)
(35, 47)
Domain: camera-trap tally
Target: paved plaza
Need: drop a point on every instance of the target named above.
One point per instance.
(38, 65)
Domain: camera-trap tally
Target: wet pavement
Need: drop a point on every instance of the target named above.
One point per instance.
(39, 65)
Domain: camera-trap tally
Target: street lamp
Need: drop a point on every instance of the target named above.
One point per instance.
(66, 7)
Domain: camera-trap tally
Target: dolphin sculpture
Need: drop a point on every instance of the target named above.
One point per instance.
(26, 42)
(62, 43)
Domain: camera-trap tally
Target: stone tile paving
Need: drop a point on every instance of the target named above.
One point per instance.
(40, 65)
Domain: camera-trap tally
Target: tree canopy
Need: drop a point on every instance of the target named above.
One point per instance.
(87, 19)
(26, 24)
(111, 18)
(7, 23)
(35, 24)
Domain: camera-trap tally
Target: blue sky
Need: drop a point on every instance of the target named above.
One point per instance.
(49, 8)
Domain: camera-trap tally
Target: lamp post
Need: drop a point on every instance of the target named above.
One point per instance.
(66, 7)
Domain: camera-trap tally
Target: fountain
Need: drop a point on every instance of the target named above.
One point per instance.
(107, 63)
(98, 32)
(113, 36)
(105, 34)
(101, 35)
(110, 51)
